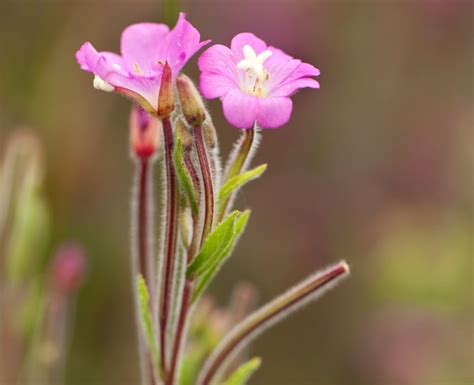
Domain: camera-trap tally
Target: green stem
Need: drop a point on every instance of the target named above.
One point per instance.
(238, 162)
(255, 323)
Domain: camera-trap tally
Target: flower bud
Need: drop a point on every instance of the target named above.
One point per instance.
(144, 133)
(68, 268)
(182, 131)
(166, 97)
(192, 105)
(210, 135)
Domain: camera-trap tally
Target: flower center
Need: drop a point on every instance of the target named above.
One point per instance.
(255, 81)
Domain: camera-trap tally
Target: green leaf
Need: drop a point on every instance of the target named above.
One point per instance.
(239, 180)
(243, 373)
(214, 245)
(146, 319)
(184, 178)
(215, 264)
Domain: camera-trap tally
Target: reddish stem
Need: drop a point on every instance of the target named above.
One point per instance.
(170, 238)
(264, 317)
(207, 228)
(180, 331)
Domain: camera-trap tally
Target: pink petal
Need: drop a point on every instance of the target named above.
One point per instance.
(215, 86)
(273, 112)
(180, 44)
(280, 66)
(115, 61)
(218, 59)
(240, 109)
(87, 57)
(290, 87)
(242, 39)
(219, 73)
(288, 74)
(140, 44)
(148, 88)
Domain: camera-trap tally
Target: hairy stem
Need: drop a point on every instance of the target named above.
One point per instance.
(171, 231)
(193, 247)
(145, 261)
(239, 160)
(207, 183)
(142, 256)
(180, 331)
(254, 324)
(208, 190)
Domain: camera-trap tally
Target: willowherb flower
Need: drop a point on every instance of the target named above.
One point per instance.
(145, 48)
(255, 81)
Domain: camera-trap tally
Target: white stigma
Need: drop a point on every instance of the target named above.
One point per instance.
(253, 61)
(100, 84)
(256, 79)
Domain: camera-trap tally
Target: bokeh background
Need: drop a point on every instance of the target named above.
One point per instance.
(375, 167)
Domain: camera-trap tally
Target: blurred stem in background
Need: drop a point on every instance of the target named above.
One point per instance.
(47, 355)
(171, 9)
(24, 236)
(35, 300)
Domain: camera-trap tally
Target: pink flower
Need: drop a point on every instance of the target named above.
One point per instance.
(145, 48)
(255, 81)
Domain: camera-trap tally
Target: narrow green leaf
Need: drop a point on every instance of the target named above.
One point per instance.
(242, 374)
(214, 245)
(239, 180)
(214, 266)
(145, 316)
(183, 176)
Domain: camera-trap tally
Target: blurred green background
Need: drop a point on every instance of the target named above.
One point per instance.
(375, 167)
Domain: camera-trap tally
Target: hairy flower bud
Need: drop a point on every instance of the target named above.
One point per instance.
(144, 133)
(192, 105)
(68, 268)
(210, 135)
(182, 130)
(166, 97)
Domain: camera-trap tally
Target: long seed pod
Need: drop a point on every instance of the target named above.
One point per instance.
(281, 307)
